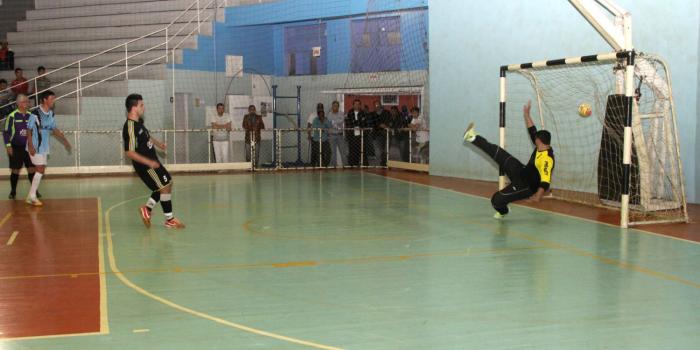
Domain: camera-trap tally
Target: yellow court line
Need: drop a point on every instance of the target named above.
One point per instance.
(127, 282)
(104, 313)
(12, 238)
(70, 335)
(632, 229)
(144, 330)
(4, 219)
(294, 264)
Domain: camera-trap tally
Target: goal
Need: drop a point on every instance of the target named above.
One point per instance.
(624, 155)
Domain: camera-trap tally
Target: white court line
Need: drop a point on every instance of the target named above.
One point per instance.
(12, 238)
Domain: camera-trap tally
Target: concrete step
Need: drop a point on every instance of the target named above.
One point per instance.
(54, 4)
(92, 47)
(105, 33)
(163, 17)
(57, 61)
(113, 8)
(147, 72)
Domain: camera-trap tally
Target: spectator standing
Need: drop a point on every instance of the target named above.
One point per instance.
(338, 146)
(420, 126)
(379, 123)
(399, 134)
(355, 120)
(320, 146)
(221, 125)
(252, 123)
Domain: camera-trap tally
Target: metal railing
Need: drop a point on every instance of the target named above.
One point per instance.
(102, 151)
(170, 43)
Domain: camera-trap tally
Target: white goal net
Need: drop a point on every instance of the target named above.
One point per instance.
(589, 149)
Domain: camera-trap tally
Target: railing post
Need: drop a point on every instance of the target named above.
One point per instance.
(362, 148)
(210, 144)
(199, 25)
(320, 148)
(166, 45)
(386, 161)
(36, 91)
(126, 61)
(79, 81)
(410, 145)
(165, 140)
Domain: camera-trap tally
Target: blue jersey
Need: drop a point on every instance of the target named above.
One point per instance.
(42, 125)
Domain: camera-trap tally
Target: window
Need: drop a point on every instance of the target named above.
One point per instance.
(300, 42)
(376, 45)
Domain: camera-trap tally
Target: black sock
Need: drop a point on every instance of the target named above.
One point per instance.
(167, 209)
(13, 182)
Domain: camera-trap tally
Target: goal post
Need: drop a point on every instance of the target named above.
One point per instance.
(625, 154)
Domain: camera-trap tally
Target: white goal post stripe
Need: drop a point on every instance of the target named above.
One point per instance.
(601, 57)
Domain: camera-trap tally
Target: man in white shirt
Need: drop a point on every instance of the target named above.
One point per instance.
(221, 126)
(419, 125)
(338, 145)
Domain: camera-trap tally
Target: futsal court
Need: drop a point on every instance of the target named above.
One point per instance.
(333, 260)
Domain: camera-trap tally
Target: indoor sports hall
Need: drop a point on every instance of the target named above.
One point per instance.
(349, 174)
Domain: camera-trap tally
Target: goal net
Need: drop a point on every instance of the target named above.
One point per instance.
(589, 149)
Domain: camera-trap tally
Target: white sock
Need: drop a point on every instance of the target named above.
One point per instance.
(150, 203)
(35, 185)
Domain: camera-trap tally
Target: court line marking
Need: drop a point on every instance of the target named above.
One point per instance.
(12, 238)
(130, 284)
(104, 309)
(633, 229)
(70, 335)
(4, 219)
(293, 264)
(104, 324)
(573, 250)
(143, 330)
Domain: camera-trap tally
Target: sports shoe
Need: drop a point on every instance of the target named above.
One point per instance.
(174, 223)
(34, 202)
(12, 195)
(145, 216)
(470, 133)
(499, 216)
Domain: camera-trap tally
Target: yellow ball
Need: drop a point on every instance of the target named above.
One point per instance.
(584, 110)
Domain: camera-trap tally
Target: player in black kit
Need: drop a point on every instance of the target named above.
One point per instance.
(139, 147)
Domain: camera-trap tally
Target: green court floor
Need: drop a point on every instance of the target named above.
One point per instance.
(353, 260)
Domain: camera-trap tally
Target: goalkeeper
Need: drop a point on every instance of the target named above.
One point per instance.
(526, 181)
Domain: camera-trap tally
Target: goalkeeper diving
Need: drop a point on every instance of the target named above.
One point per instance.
(529, 181)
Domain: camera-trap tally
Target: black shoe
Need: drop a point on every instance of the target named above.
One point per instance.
(12, 195)
(38, 195)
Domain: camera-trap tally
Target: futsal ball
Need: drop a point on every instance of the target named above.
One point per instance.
(584, 110)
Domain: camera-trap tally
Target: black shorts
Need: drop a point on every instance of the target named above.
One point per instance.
(155, 179)
(19, 158)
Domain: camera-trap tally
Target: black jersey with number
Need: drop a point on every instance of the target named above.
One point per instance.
(137, 138)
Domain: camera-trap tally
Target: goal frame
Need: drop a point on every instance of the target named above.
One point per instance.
(626, 56)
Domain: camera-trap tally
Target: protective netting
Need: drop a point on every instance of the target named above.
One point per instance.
(283, 58)
(589, 149)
